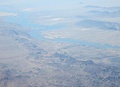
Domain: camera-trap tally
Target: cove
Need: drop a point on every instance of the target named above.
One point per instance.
(37, 35)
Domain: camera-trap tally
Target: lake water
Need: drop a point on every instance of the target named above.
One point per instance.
(37, 35)
(22, 20)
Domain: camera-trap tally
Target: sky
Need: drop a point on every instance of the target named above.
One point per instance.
(53, 5)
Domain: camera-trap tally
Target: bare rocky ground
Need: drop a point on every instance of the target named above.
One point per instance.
(26, 62)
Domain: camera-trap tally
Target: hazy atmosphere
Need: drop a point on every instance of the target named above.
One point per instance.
(60, 43)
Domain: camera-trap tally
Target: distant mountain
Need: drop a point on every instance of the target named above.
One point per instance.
(98, 24)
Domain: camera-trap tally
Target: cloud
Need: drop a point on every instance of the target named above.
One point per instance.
(57, 19)
(92, 6)
(48, 20)
(2, 14)
(48, 16)
(113, 8)
(28, 10)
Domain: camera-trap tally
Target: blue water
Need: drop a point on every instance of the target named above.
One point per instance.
(37, 35)
(86, 43)
(24, 21)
